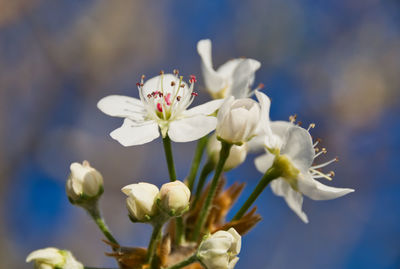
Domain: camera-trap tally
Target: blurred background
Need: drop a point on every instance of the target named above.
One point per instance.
(334, 63)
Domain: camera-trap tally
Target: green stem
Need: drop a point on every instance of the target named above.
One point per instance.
(207, 169)
(270, 175)
(223, 155)
(94, 212)
(151, 250)
(179, 234)
(184, 263)
(169, 157)
(201, 145)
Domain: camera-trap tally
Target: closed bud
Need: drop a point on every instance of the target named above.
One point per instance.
(238, 120)
(237, 154)
(84, 182)
(174, 198)
(219, 250)
(141, 201)
(53, 258)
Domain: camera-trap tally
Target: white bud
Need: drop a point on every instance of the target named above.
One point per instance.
(51, 258)
(174, 197)
(237, 154)
(220, 249)
(141, 200)
(238, 120)
(84, 181)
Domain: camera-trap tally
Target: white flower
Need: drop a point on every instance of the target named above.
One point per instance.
(83, 181)
(163, 104)
(220, 249)
(52, 258)
(237, 154)
(235, 77)
(174, 197)
(238, 120)
(296, 152)
(141, 201)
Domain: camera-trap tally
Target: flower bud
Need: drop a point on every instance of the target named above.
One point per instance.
(220, 249)
(237, 154)
(84, 182)
(238, 120)
(141, 201)
(174, 198)
(52, 258)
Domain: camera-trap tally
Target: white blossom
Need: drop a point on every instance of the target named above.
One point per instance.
(294, 146)
(235, 77)
(238, 120)
(53, 258)
(163, 104)
(174, 197)
(141, 201)
(220, 250)
(83, 180)
(237, 154)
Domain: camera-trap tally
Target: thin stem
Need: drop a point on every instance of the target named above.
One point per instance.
(169, 157)
(179, 234)
(223, 155)
(201, 145)
(184, 263)
(270, 175)
(207, 169)
(151, 250)
(87, 267)
(94, 212)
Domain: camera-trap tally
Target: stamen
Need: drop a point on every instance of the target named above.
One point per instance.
(159, 107)
(293, 118)
(172, 83)
(168, 99)
(299, 123)
(149, 96)
(162, 72)
(320, 174)
(138, 84)
(176, 72)
(192, 79)
(318, 140)
(312, 125)
(178, 98)
(324, 164)
(195, 94)
(260, 86)
(323, 151)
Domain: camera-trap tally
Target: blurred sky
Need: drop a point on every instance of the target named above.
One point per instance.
(335, 63)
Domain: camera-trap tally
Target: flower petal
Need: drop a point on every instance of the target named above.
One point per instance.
(298, 146)
(214, 82)
(318, 191)
(122, 106)
(293, 198)
(264, 162)
(227, 69)
(243, 78)
(205, 109)
(191, 128)
(131, 133)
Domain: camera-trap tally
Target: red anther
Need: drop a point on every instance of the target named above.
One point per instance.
(159, 107)
(138, 84)
(172, 83)
(149, 96)
(192, 79)
(143, 76)
(141, 84)
(261, 86)
(160, 94)
(195, 94)
(178, 98)
(176, 71)
(182, 85)
(168, 99)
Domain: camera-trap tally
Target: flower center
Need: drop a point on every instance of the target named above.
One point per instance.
(166, 96)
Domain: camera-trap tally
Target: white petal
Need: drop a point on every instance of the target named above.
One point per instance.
(214, 82)
(264, 162)
(293, 198)
(131, 134)
(265, 125)
(243, 77)
(191, 128)
(48, 255)
(318, 191)
(122, 106)
(233, 262)
(227, 69)
(205, 109)
(298, 146)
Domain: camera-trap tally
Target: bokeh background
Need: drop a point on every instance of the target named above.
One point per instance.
(335, 63)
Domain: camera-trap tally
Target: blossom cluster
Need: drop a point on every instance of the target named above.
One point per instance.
(196, 233)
